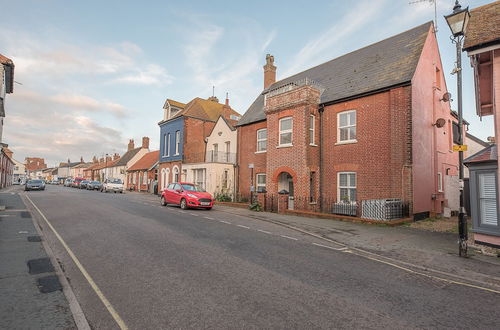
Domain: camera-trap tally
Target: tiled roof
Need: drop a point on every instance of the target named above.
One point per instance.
(206, 110)
(9, 77)
(127, 157)
(176, 103)
(102, 165)
(5, 60)
(387, 63)
(488, 154)
(146, 161)
(484, 27)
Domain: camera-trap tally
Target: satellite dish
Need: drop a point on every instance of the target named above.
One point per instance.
(446, 97)
(440, 122)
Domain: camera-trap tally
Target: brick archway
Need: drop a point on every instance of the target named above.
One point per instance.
(280, 170)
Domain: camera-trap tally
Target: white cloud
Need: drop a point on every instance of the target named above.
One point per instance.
(152, 75)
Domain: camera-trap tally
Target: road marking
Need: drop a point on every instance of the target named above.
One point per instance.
(284, 236)
(194, 214)
(223, 221)
(331, 248)
(209, 218)
(264, 231)
(87, 276)
(243, 226)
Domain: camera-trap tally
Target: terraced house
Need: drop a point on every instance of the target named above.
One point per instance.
(183, 133)
(371, 126)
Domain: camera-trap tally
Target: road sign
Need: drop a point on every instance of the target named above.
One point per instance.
(250, 165)
(462, 147)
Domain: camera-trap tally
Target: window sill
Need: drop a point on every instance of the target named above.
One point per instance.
(346, 142)
(313, 144)
(313, 203)
(284, 146)
(261, 152)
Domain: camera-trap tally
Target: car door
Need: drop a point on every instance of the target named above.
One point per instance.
(169, 193)
(176, 195)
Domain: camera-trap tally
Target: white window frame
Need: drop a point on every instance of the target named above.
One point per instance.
(355, 187)
(145, 178)
(177, 142)
(257, 184)
(312, 130)
(286, 131)
(261, 140)
(168, 145)
(349, 125)
(440, 181)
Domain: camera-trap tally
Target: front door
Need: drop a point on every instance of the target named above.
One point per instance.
(290, 196)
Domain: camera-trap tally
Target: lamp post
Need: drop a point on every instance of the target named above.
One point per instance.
(457, 21)
(106, 169)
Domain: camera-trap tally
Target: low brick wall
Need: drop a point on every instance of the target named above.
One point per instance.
(233, 204)
(311, 214)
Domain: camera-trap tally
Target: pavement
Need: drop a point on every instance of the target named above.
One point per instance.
(135, 264)
(31, 295)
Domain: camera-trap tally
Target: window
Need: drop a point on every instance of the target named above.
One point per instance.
(234, 117)
(487, 198)
(228, 151)
(261, 182)
(311, 129)
(346, 126)
(175, 171)
(177, 142)
(225, 179)
(145, 178)
(440, 181)
(168, 145)
(312, 187)
(262, 140)
(215, 152)
(347, 186)
(199, 177)
(286, 126)
(165, 146)
(456, 134)
(171, 186)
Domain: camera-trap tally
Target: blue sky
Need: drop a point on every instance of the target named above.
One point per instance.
(96, 73)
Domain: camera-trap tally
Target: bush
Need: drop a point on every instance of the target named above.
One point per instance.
(223, 197)
(255, 206)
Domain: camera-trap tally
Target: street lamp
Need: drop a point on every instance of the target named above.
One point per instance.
(457, 21)
(106, 169)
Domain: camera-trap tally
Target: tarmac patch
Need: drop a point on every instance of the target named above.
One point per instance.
(34, 238)
(49, 284)
(25, 214)
(38, 266)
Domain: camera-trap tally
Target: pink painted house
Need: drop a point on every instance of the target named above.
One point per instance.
(482, 44)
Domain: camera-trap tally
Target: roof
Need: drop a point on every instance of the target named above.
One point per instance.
(176, 103)
(484, 27)
(83, 165)
(488, 154)
(205, 110)
(9, 73)
(146, 162)
(387, 63)
(104, 164)
(73, 164)
(127, 157)
(477, 140)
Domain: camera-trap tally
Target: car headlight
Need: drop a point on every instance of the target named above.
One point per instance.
(192, 196)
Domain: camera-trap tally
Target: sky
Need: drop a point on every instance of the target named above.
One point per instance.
(90, 75)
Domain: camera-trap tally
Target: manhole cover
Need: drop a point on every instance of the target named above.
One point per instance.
(38, 266)
(48, 284)
(34, 238)
(25, 214)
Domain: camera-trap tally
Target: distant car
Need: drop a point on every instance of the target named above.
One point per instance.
(114, 185)
(67, 182)
(187, 195)
(83, 184)
(76, 182)
(54, 182)
(94, 185)
(34, 185)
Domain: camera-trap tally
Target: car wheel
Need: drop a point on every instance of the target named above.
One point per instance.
(163, 201)
(208, 208)
(184, 205)
(121, 192)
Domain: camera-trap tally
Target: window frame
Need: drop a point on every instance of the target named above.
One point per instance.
(440, 181)
(257, 184)
(261, 140)
(349, 125)
(168, 145)
(287, 131)
(312, 130)
(177, 142)
(348, 187)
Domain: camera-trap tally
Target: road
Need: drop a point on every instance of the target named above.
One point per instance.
(162, 267)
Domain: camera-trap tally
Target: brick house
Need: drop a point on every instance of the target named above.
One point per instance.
(6, 86)
(120, 165)
(482, 44)
(34, 164)
(371, 124)
(183, 133)
(143, 173)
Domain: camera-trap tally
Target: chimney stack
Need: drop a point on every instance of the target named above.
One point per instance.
(108, 159)
(81, 159)
(145, 142)
(227, 99)
(116, 156)
(101, 160)
(130, 144)
(269, 71)
(69, 161)
(94, 159)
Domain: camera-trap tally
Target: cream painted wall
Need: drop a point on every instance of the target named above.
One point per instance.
(214, 176)
(220, 135)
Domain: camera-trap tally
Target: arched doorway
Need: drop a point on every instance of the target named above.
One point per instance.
(285, 182)
(175, 172)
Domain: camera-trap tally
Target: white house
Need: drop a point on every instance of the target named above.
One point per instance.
(19, 173)
(129, 158)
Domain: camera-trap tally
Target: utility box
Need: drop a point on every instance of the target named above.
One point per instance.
(382, 209)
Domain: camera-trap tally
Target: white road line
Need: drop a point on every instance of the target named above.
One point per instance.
(284, 236)
(194, 214)
(331, 248)
(87, 276)
(223, 221)
(209, 218)
(264, 231)
(243, 226)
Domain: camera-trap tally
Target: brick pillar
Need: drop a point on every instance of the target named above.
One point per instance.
(282, 203)
(261, 198)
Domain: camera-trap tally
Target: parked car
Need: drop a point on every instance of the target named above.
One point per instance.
(114, 185)
(76, 182)
(186, 195)
(94, 185)
(67, 182)
(83, 184)
(54, 182)
(34, 185)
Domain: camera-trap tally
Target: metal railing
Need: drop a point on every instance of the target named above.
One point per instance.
(293, 85)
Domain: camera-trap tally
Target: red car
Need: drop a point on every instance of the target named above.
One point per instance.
(186, 195)
(76, 182)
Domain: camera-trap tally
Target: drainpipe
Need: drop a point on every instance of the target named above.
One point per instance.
(320, 183)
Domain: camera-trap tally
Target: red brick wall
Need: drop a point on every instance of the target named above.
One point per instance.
(195, 132)
(382, 154)
(170, 177)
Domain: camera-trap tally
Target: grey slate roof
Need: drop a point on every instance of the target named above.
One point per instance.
(386, 63)
(127, 157)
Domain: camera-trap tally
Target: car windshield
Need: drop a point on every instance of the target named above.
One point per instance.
(35, 181)
(192, 187)
(95, 182)
(117, 181)
(85, 181)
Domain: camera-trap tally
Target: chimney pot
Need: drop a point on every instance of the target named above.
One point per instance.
(145, 142)
(269, 71)
(130, 144)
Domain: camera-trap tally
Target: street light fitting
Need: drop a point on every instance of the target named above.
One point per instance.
(458, 20)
